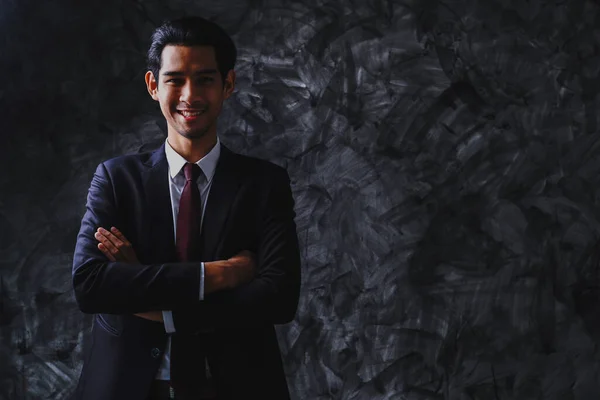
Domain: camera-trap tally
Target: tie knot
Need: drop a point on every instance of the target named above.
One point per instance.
(191, 172)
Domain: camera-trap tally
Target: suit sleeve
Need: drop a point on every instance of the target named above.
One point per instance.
(102, 286)
(272, 296)
(168, 315)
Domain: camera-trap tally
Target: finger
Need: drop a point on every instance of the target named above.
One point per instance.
(107, 253)
(123, 246)
(115, 253)
(107, 243)
(113, 239)
(120, 235)
(110, 236)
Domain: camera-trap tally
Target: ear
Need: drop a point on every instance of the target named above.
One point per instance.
(229, 85)
(151, 84)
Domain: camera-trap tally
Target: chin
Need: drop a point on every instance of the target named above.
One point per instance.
(197, 134)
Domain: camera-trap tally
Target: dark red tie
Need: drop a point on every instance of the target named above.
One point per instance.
(187, 359)
(189, 215)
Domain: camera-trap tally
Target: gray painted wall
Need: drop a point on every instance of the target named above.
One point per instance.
(444, 158)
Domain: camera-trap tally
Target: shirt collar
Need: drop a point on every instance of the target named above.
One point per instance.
(207, 164)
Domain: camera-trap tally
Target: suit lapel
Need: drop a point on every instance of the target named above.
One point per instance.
(158, 202)
(226, 182)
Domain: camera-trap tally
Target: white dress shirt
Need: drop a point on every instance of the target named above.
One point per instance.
(176, 183)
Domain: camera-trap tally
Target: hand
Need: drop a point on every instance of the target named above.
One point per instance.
(227, 274)
(242, 267)
(115, 245)
(155, 316)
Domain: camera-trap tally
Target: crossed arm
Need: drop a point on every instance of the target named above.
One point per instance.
(115, 246)
(240, 291)
(218, 275)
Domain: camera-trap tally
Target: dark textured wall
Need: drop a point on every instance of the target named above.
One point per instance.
(444, 157)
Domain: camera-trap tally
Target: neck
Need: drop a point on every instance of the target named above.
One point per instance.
(192, 149)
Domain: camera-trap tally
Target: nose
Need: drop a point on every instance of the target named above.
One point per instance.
(189, 93)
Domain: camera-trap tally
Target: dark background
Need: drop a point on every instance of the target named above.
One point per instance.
(444, 161)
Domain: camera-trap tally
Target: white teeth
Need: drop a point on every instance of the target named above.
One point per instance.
(190, 114)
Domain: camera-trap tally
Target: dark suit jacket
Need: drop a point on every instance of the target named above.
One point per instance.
(250, 207)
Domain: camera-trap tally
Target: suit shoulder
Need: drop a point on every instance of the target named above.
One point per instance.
(127, 161)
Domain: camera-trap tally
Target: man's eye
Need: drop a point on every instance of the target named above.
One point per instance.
(173, 80)
(205, 80)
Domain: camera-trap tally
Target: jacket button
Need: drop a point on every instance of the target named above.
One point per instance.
(155, 352)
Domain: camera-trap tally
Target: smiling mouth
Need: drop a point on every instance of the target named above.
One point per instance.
(191, 114)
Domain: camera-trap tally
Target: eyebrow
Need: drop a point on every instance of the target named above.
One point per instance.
(200, 72)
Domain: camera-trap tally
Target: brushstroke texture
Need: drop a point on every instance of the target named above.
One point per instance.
(443, 157)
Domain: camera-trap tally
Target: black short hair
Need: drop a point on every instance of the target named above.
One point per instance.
(192, 31)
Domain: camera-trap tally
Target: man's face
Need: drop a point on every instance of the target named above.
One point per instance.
(190, 90)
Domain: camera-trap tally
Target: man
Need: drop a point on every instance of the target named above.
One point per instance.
(187, 255)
